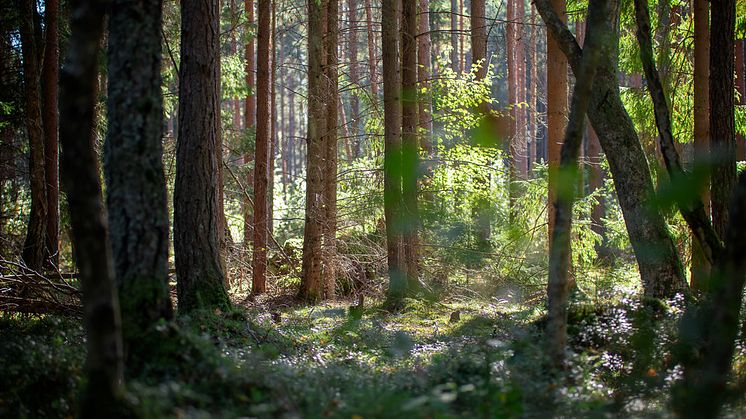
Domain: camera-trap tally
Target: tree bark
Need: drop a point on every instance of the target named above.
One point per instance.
(700, 267)
(80, 177)
(556, 108)
(424, 63)
(722, 119)
(392, 163)
(133, 163)
(560, 254)
(354, 75)
(35, 244)
(455, 60)
(330, 144)
(50, 78)
(660, 268)
(709, 330)
(372, 73)
(409, 147)
(595, 183)
(741, 88)
(197, 220)
(311, 288)
(250, 123)
(262, 154)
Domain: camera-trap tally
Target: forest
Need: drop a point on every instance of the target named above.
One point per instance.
(372, 208)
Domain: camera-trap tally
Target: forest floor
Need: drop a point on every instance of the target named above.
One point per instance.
(458, 357)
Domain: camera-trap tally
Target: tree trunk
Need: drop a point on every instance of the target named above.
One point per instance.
(354, 77)
(700, 267)
(424, 63)
(80, 177)
(392, 163)
(273, 126)
(722, 120)
(35, 243)
(534, 123)
(50, 78)
(262, 153)
(595, 183)
(250, 123)
(560, 253)
(711, 328)
(461, 37)
(455, 60)
(135, 181)
(520, 80)
(556, 109)
(311, 288)
(197, 220)
(371, 50)
(330, 144)
(409, 147)
(660, 268)
(741, 88)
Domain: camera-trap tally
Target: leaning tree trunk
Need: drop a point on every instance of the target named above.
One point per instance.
(659, 264)
(560, 253)
(133, 163)
(80, 177)
(199, 271)
(35, 244)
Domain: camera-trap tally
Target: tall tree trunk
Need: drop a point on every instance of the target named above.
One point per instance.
(560, 253)
(311, 288)
(249, 123)
(556, 109)
(596, 183)
(722, 120)
(657, 259)
(409, 147)
(135, 181)
(35, 243)
(50, 76)
(520, 80)
(461, 37)
(711, 328)
(700, 267)
(330, 145)
(424, 63)
(392, 161)
(262, 153)
(534, 112)
(197, 220)
(80, 177)
(371, 50)
(354, 77)
(273, 126)
(455, 60)
(741, 88)
(291, 126)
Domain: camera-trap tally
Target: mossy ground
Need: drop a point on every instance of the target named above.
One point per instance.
(275, 358)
